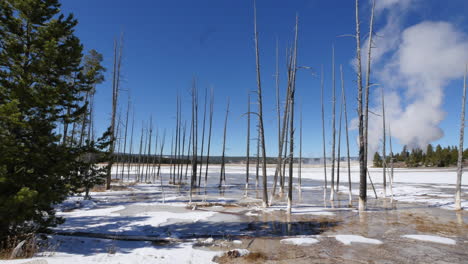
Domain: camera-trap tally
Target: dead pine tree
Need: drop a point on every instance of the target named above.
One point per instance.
(384, 141)
(338, 160)
(323, 137)
(182, 157)
(391, 160)
(300, 152)
(343, 93)
(125, 138)
(115, 97)
(132, 160)
(260, 112)
(209, 136)
(278, 119)
(292, 85)
(193, 179)
(362, 160)
(332, 187)
(203, 138)
(366, 102)
(257, 165)
(247, 164)
(163, 140)
(149, 149)
(458, 205)
(140, 153)
(222, 176)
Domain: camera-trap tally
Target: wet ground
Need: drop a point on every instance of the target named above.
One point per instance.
(226, 218)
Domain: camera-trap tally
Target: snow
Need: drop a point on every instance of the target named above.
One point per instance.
(299, 241)
(348, 239)
(432, 238)
(91, 251)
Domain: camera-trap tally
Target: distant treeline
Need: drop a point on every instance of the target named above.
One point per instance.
(440, 157)
(166, 159)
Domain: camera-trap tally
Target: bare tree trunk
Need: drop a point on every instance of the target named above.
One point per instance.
(222, 176)
(291, 124)
(153, 163)
(140, 153)
(368, 72)
(278, 117)
(323, 137)
(362, 160)
(350, 203)
(182, 161)
(159, 166)
(458, 205)
(209, 136)
(332, 187)
(194, 137)
(176, 146)
(115, 96)
(189, 151)
(339, 147)
(83, 121)
(130, 164)
(260, 113)
(247, 167)
(118, 142)
(203, 139)
(391, 160)
(125, 138)
(300, 152)
(384, 153)
(149, 148)
(179, 132)
(257, 165)
(171, 173)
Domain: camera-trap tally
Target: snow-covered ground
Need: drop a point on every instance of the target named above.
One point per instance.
(149, 215)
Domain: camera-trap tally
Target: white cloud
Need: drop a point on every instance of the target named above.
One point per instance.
(429, 55)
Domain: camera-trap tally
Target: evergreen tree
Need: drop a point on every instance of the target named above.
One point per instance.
(377, 160)
(41, 85)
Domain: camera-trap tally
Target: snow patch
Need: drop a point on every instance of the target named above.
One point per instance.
(299, 241)
(430, 238)
(348, 239)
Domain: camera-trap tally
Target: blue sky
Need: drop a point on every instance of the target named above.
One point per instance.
(167, 43)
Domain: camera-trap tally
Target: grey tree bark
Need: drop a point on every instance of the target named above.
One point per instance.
(260, 112)
(350, 196)
(458, 205)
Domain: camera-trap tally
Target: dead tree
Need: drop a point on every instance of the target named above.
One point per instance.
(203, 139)
(338, 168)
(149, 148)
(209, 136)
(171, 174)
(366, 112)
(189, 150)
(300, 152)
(160, 160)
(391, 160)
(130, 164)
(384, 153)
(292, 81)
(247, 166)
(323, 137)
(115, 97)
(347, 136)
(194, 137)
(257, 165)
(140, 153)
(182, 161)
(278, 118)
(125, 138)
(332, 187)
(362, 160)
(260, 112)
(222, 176)
(458, 205)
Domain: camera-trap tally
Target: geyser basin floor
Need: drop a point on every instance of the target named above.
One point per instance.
(223, 219)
